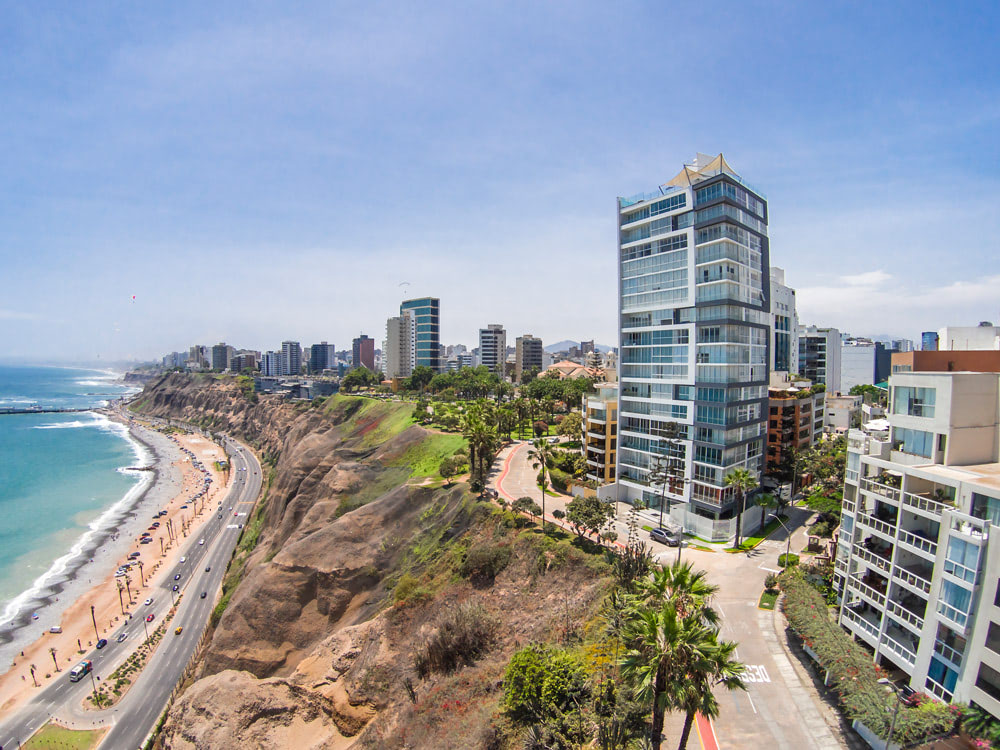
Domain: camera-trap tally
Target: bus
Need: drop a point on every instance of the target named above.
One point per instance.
(81, 670)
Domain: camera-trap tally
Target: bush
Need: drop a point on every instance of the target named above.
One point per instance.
(540, 682)
(788, 561)
(483, 563)
(770, 582)
(461, 637)
(559, 479)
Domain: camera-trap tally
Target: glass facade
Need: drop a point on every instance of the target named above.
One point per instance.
(426, 313)
(694, 312)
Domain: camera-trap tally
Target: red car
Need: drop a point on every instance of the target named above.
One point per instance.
(149, 618)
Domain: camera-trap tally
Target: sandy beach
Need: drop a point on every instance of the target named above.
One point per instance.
(175, 481)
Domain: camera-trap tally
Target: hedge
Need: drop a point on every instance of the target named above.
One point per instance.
(853, 674)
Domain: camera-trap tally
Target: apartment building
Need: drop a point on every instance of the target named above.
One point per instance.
(784, 351)
(958, 338)
(400, 346)
(819, 355)
(493, 348)
(795, 418)
(363, 352)
(916, 569)
(600, 430)
(528, 355)
(841, 412)
(322, 356)
(426, 312)
(291, 358)
(694, 321)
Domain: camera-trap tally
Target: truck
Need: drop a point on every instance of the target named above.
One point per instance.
(81, 670)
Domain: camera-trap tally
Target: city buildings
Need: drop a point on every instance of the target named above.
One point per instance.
(222, 356)
(363, 352)
(967, 360)
(928, 341)
(270, 364)
(528, 356)
(600, 429)
(819, 355)
(322, 356)
(795, 419)
(955, 338)
(426, 312)
(459, 360)
(400, 344)
(245, 360)
(784, 351)
(841, 412)
(857, 365)
(694, 320)
(493, 348)
(915, 568)
(175, 359)
(291, 358)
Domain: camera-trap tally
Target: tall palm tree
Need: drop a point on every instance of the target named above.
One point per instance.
(539, 457)
(683, 586)
(713, 666)
(744, 481)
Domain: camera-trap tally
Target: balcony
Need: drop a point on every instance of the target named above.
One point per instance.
(875, 524)
(876, 556)
(949, 654)
(917, 577)
(894, 647)
(926, 505)
(918, 541)
(956, 616)
(938, 690)
(875, 596)
(596, 436)
(905, 612)
(883, 490)
(851, 475)
(862, 625)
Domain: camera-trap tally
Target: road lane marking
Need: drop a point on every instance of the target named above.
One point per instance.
(756, 673)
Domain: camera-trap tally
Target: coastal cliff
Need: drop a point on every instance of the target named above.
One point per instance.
(348, 573)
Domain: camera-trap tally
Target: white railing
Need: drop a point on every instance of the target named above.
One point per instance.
(894, 646)
(869, 557)
(918, 542)
(933, 507)
(880, 526)
(882, 490)
(918, 582)
(841, 565)
(904, 614)
(939, 690)
(862, 623)
(851, 476)
(877, 597)
(957, 616)
(848, 506)
(951, 654)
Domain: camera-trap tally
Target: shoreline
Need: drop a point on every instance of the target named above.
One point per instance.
(45, 590)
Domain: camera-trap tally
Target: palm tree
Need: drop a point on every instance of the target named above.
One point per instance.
(539, 457)
(744, 481)
(684, 587)
(714, 666)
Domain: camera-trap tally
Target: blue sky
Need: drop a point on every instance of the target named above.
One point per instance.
(254, 172)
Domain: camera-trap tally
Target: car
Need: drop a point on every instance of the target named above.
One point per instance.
(665, 536)
(133, 556)
(177, 577)
(201, 541)
(183, 559)
(204, 594)
(176, 587)
(156, 524)
(149, 617)
(119, 573)
(179, 630)
(102, 643)
(148, 601)
(208, 569)
(121, 637)
(183, 507)
(147, 540)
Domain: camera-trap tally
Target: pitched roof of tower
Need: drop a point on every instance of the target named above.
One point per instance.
(701, 168)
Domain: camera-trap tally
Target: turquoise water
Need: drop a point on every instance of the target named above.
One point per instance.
(58, 472)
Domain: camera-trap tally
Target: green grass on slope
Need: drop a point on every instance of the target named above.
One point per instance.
(424, 458)
(52, 736)
(376, 421)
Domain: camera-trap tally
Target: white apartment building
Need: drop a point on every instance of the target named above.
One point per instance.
(916, 568)
(841, 412)
(400, 346)
(964, 338)
(493, 348)
(527, 355)
(819, 355)
(784, 351)
(291, 358)
(270, 364)
(694, 322)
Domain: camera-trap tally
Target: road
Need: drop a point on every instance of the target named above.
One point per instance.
(135, 715)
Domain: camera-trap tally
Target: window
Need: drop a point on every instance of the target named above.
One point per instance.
(916, 442)
(987, 508)
(962, 560)
(954, 602)
(914, 402)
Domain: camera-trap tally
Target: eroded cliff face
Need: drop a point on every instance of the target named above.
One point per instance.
(312, 651)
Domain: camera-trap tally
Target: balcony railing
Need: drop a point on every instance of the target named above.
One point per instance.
(938, 690)
(957, 616)
(951, 654)
(869, 628)
(851, 475)
(892, 645)
(925, 504)
(918, 542)
(876, 596)
(883, 490)
(897, 609)
(870, 557)
(918, 582)
(877, 525)
(848, 506)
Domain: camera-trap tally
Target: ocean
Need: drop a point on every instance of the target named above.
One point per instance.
(61, 475)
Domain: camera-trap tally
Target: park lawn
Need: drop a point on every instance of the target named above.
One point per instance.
(424, 458)
(54, 737)
(767, 600)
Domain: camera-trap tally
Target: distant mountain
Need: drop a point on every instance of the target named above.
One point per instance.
(563, 346)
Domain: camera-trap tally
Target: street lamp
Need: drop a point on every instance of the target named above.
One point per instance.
(788, 533)
(895, 714)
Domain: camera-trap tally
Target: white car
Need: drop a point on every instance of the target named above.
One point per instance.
(149, 601)
(183, 559)
(201, 542)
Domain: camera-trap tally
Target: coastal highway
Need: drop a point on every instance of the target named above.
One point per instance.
(135, 715)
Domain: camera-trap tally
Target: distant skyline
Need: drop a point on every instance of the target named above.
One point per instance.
(255, 173)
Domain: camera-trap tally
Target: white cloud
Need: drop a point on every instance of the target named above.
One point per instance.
(870, 278)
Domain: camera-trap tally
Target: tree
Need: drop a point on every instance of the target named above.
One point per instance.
(539, 457)
(872, 394)
(743, 481)
(588, 515)
(450, 467)
(526, 505)
(360, 377)
(420, 378)
(541, 683)
(571, 425)
(688, 589)
(540, 428)
(715, 666)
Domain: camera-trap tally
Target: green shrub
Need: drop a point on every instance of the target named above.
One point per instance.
(770, 582)
(559, 479)
(461, 637)
(788, 561)
(540, 682)
(483, 563)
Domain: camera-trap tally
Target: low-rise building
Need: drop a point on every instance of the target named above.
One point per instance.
(842, 412)
(918, 560)
(795, 418)
(600, 429)
(946, 360)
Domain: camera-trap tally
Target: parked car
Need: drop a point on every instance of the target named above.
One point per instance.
(176, 587)
(177, 577)
(148, 601)
(208, 569)
(665, 536)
